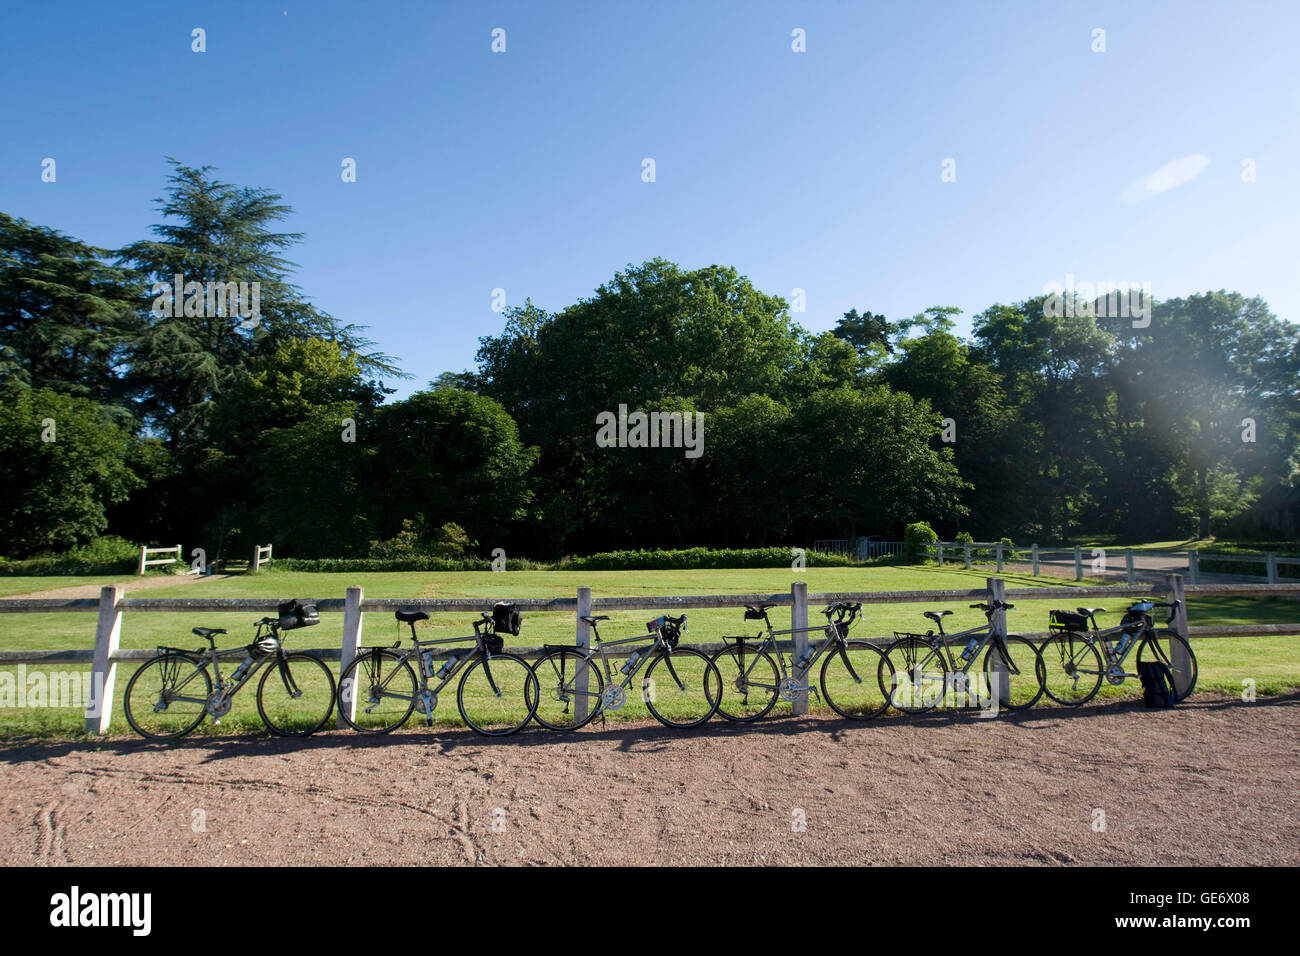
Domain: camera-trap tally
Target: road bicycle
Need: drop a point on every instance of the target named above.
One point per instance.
(753, 681)
(380, 690)
(171, 694)
(1078, 656)
(923, 670)
(681, 687)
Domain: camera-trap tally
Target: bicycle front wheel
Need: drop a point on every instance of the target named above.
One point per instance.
(377, 691)
(1070, 668)
(497, 695)
(1172, 649)
(854, 677)
(914, 675)
(1013, 679)
(682, 688)
(750, 682)
(168, 696)
(296, 695)
(568, 689)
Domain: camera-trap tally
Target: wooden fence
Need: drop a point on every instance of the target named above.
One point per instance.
(112, 603)
(1078, 556)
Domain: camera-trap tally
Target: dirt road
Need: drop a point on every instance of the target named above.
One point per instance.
(1212, 782)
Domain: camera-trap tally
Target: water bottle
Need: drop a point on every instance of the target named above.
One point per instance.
(242, 668)
(804, 658)
(631, 662)
(426, 663)
(446, 668)
(969, 652)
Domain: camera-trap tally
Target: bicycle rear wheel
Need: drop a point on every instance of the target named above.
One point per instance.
(559, 691)
(377, 691)
(296, 695)
(497, 695)
(1162, 646)
(682, 688)
(168, 696)
(914, 675)
(750, 682)
(854, 677)
(1070, 668)
(1019, 683)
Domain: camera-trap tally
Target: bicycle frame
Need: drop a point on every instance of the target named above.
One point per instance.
(834, 636)
(658, 644)
(212, 656)
(424, 694)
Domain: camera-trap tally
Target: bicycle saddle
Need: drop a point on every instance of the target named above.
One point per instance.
(1089, 611)
(409, 617)
(208, 632)
(935, 615)
(758, 608)
(588, 619)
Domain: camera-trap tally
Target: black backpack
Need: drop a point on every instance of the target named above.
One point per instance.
(506, 618)
(1157, 684)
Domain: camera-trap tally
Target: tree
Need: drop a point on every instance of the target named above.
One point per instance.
(451, 456)
(62, 464)
(219, 234)
(67, 316)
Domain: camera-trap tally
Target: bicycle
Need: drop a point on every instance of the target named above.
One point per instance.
(379, 690)
(753, 682)
(1071, 665)
(171, 693)
(1010, 666)
(681, 687)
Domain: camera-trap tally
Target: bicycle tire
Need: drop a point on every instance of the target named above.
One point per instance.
(553, 677)
(1063, 656)
(305, 662)
(504, 675)
(868, 672)
(919, 659)
(735, 659)
(1020, 696)
(710, 682)
(349, 683)
(147, 667)
(1160, 654)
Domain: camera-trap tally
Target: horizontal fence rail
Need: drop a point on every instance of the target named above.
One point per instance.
(112, 603)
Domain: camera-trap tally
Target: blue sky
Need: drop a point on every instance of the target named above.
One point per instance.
(818, 170)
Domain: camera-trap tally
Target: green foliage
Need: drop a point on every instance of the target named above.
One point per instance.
(62, 464)
(693, 558)
(105, 555)
(915, 536)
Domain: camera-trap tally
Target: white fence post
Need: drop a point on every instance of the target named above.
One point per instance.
(1078, 563)
(1193, 568)
(348, 652)
(799, 618)
(940, 554)
(1130, 571)
(143, 551)
(998, 622)
(1270, 567)
(580, 706)
(967, 550)
(998, 552)
(103, 672)
(1033, 551)
(1179, 662)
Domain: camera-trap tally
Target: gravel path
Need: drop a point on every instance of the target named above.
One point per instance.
(1211, 782)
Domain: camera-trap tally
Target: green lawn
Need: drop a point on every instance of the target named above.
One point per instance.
(1272, 662)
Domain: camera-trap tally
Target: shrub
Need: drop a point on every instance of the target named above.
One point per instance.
(915, 535)
(106, 555)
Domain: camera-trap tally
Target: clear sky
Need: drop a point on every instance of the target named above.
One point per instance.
(819, 170)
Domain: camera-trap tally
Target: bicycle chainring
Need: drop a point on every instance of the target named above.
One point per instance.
(219, 703)
(789, 688)
(613, 697)
(426, 702)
